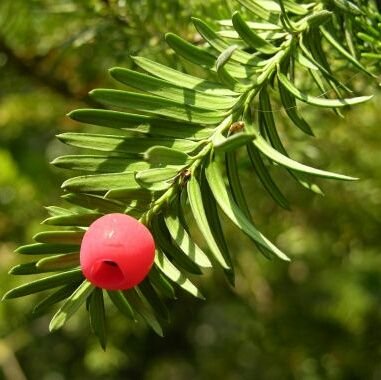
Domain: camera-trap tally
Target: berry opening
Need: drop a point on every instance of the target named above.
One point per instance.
(117, 252)
(107, 274)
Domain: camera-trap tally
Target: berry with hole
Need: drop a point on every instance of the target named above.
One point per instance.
(117, 252)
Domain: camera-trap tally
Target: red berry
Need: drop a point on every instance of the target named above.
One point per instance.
(117, 252)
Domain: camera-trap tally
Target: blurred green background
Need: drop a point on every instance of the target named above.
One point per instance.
(316, 318)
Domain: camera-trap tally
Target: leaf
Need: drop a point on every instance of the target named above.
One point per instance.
(170, 91)
(250, 37)
(198, 210)
(320, 102)
(46, 283)
(100, 183)
(184, 241)
(348, 6)
(100, 164)
(161, 284)
(300, 58)
(58, 262)
(220, 45)
(98, 316)
(177, 256)
(224, 76)
(237, 190)
(233, 142)
(55, 297)
(157, 179)
(47, 249)
(156, 105)
(300, 177)
(130, 147)
(144, 310)
(95, 203)
(289, 105)
(283, 160)
(336, 45)
(151, 125)
(259, 11)
(265, 35)
(58, 211)
(187, 81)
(59, 237)
(235, 183)
(119, 300)
(127, 194)
(81, 220)
(298, 9)
(163, 156)
(71, 305)
(314, 19)
(189, 51)
(253, 25)
(269, 5)
(213, 217)
(24, 269)
(310, 44)
(265, 177)
(224, 57)
(235, 214)
(168, 269)
(203, 58)
(150, 296)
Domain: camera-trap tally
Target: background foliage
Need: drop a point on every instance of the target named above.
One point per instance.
(316, 318)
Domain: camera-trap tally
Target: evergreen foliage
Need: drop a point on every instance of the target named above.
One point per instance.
(170, 152)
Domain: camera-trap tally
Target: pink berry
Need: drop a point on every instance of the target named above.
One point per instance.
(117, 252)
